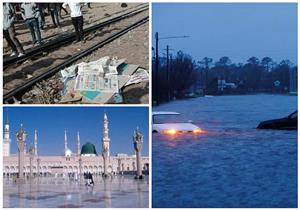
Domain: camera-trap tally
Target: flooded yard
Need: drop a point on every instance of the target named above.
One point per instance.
(232, 164)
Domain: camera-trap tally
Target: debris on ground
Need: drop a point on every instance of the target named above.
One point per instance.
(45, 92)
(100, 81)
(124, 5)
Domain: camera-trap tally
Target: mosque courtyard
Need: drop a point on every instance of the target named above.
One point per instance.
(49, 192)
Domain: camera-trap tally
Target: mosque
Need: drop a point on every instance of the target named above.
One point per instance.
(85, 159)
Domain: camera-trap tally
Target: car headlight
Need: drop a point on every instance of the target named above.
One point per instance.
(197, 131)
(170, 131)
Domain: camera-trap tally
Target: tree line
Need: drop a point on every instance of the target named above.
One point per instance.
(181, 76)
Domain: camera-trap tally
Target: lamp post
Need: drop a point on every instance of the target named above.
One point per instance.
(38, 166)
(157, 38)
(80, 168)
(138, 143)
(119, 165)
(31, 155)
(105, 161)
(21, 138)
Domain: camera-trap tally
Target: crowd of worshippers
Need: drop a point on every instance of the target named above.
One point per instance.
(33, 15)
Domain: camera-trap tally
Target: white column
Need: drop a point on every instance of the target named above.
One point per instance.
(35, 143)
(78, 144)
(66, 141)
(6, 138)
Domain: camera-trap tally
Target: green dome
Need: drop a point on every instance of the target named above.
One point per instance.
(88, 148)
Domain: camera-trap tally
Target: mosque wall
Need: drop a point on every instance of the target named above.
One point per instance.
(51, 165)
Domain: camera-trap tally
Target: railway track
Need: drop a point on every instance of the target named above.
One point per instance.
(9, 97)
(68, 38)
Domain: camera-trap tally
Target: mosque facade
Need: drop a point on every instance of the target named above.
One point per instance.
(85, 159)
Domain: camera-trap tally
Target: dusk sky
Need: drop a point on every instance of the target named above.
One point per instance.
(51, 123)
(237, 30)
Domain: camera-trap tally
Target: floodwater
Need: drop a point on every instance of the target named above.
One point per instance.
(120, 191)
(233, 164)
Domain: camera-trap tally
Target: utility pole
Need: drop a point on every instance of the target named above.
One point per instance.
(168, 78)
(156, 69)
(171, 86)
(168, 73)
(156, 62)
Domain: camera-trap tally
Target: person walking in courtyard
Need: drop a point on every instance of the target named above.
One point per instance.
(77, 19)
(9, 30)
(30, 14)
(91, 179)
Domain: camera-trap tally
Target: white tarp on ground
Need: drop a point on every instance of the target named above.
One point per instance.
(100, 80)
(141, 75)
(93, 81)
(99, 75)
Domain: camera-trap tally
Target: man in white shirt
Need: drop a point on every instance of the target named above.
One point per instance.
(30, 14)
(77, 19)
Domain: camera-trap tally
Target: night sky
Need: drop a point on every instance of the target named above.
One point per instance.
(52, 121)
(237, 30)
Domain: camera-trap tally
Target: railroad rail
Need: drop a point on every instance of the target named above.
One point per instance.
(67, 38)
(9, 97)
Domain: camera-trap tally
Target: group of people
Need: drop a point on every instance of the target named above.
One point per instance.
(34, 18)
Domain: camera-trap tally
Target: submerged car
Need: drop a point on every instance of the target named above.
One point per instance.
(172, 123)
(287, 123)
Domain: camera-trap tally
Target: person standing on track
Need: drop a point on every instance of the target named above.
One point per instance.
(9, 30)
(30, 14)
(41, 17)
(61, 8)
(77, 19)
(54, 8)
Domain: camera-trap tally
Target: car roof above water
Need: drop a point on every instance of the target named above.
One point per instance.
(163, 112)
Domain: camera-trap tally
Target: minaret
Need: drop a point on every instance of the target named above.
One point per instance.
(78, 143)
(105, 144)
(66, 141)
(6, 139)
(35, 143)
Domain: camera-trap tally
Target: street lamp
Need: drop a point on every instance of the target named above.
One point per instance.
(157, 38)
(31, 155)
(21, 138)
(138, 144)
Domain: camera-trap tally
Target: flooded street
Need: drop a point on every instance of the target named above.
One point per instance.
(233, 164)
(49, 192)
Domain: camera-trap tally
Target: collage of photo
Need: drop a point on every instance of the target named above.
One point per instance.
(149, 104)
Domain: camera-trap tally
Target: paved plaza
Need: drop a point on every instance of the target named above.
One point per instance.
(117, 191)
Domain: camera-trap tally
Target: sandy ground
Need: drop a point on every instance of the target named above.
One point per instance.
(98, 13)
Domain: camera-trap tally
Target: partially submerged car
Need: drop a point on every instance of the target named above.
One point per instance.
(172, 123)
(287, 123)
